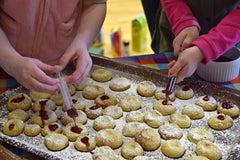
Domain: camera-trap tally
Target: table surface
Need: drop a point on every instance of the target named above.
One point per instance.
(156, 61)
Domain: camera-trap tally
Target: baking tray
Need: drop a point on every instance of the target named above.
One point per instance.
(227, 140)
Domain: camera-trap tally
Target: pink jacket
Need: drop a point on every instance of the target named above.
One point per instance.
(40, 28)
(219, 39)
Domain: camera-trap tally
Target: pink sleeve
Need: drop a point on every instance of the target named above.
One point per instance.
(179, 15)
(220, 38)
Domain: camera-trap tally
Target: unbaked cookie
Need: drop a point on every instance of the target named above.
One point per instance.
(19, 114)
(129, 103)
(106, 100)
(160, 94)
(92, 91)
(208, 149)
(81, 118)
(93, 111)
(184, 92)
(58, 99)
(208, 103)
(78, 103)
(119, 84)
(32, 130)
(85, 143)
(44, 117)
(73, 131)
(172, 148)
(114, 111)
(146, 88)
(197, 158)
(182, 120)
(134, 116)
(103, 122)
(105, 152)
(149, 139)
(197, 134)
(44, 104)
(170, 131)
(164, 107)
(56, 141)
(80, 85)
(51, 128)
(38, 95)
(220, 121)
(154, 118)
(13, 127)
(101, 75)
(19, 101)
(132, 128)
(228, 108)
(131, 149)
(193, 111)
(109, 137)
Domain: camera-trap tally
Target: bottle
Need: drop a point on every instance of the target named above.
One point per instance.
(126, 48)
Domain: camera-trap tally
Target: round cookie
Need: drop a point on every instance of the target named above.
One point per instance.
(182, 120)
(141, 158)
(170, 131)
(220, 121)
(58, 99)
(43, 117)
(101, 75)
(13, 127)
(106, 100)
(85, 143)
(109, 137)
(149, 139)
(38, 95)
(208, 149)
(154, 118)
(184, 92)
(193, 111)
(44, 104)
(72, 89)
(119, 84)
(51, 128)
(160, 94)
(129, 103)
(78, 103)
(73, 131)
(132, 128)
(105, 152)
(32, 130)
(197, 158)
(93, 111)
(146, 88)
(197, 134)
(56, 141)
(228, 108)
(19, 101)
(172, 148)
(81, 118)
(92, 91)
(18, 114)
(131, 149)
(164, 107)
(103, 122)
(208, 103)
(114, 111)
(80, 85)
(134, 116)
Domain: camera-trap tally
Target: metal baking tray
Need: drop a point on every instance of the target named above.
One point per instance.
(227, 140)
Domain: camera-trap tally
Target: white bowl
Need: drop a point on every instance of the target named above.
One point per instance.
(221, 71)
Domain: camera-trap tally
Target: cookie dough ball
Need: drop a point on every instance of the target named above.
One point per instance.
(170, 131)
(172, 148)
(18, 114)
(146, 88)
(103, 122)
(19, 101)
(92, 91)
(32, 130)
(58, 99)
(228, 108)
(129, 103)
(109, 137)
(208, 149)
(160, 94)
(193, 111)
(132, 128)
(44, 104)
(106, 100)
(72, 89)
(164, 107)
(197, 134)
(13, 127)
(78, 103)
(56, 141)
(197, 158)
(135, 116)
(51, 128)
(73, 131)
(119, 84)
(80, 85)
(182, 120)
(184, 92)
(220, 121)
(208, 103)
(93, 111)
(154, 118)
(44, 117)
(85, 143)
(101, 75)
(38, 95)
(141, 158)
(131, 149)
(105, 152)
(149, 139)
(81, 118)
(114, 111)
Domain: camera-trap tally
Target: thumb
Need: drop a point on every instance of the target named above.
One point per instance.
(64, 60)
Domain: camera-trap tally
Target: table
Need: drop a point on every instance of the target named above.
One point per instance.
(156, 61)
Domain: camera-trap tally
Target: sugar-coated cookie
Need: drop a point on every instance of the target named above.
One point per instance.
(93, 111)
(160, 94)
(44, 104)
(197, 158)
(81, 118)
(13, 127)
(114, 111)
(129, 103)
(73, 131)
(182, 120)
(85, 143)
(19, 101)
(170, 131)
(131, 149)
(141, 158)
(103, 122)
(51, 128)
(208, 103)
(102, 75)
(172, 148)
(208, 149)
(164, 107)
(134, 116)
(220, 121)
(119, 84)
(92, 91)
(105, 100)
(58, 99)
(228, 108)
(184, 92)
(56, 141)
(80, 85)
(197, 134)
(154, 118)
(78, 103)
(19, 114)
(38, 95)
(105, 152)
(193, 111)
(72, 89)
(132, 128)
(32, 130)
(146, 88)
(44, 117)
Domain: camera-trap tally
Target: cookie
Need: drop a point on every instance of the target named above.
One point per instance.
(18, 114)
(160, 94)
(92, 91)
(172, 148)
(182, 120)
(81, 118)
(106, 100)
(164, 107)
(73, 131)
(197, 158)
(58, 99)
(13, 127)
(184, 92)
(101, 75)
(19, 101)
(134, 116)
(208, 149)
(103, 122)
(228, 108)
(93, 111)
(78, 104)
(154, 118)
(114, 111)
(119, 84)
(105, 152)
(197, 134)
(132, 128)
(32, 130)
(44, 117)
(131, 149)
(34, 95)
(141, 158)
(129, 103)
(208, 103)
(170, 131)
(193, 111)
(85, 143)
(44, 104)
(146, 88)
(51, 128)
(220, 121)
(56, 141)
(80, 85)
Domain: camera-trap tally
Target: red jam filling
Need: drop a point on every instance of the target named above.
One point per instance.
(72, 113)
(53, 127)
(11, 126)
(43, 104)
(85, 140)
(74, 101)
(165, 102)
(104, 97)
(18, 100)
(221, 117)
(95, 107)
(186, 88)
(76, 129)
(206, 98)
(227, 105)
(44, 116)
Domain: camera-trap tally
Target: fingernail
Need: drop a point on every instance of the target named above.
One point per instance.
(183, 49)
(170, 73)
